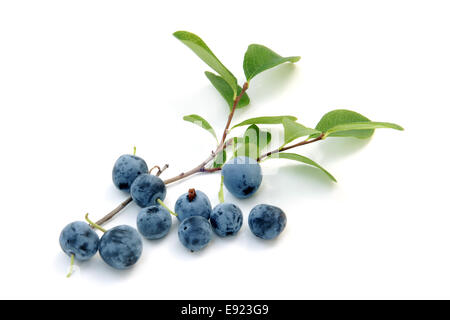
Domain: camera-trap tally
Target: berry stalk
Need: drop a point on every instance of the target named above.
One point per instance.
(72, 261)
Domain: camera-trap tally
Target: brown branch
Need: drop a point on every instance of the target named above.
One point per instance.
(116, 210)
(302, 143)
(211, 169)
(192, 171)
(230, 116)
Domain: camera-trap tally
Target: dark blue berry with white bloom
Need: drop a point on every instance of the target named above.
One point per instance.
(147, 189)
(226, 219)
(79, 240)
(154, 222)
(126, 169)
(195, 233)
(121, 247)
(242, 176)
(193, 203)
(266, 221)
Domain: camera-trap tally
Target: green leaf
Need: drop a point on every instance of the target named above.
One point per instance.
(251, 143)
(226, 91)
(247, 149)
(343, 130)
(203, 52)
(265, 120)
(260, 138)
(341, 116)
(332, 122)
(294, 130)
(259, 58)
(297, 157)
(220, 159)
(196, 119)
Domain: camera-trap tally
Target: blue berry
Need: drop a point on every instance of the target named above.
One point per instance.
(193, 203)
(226, 219)
(146, 189)
(266, 221)
(154, 222)
(242, 176)
(78, 239)
(126, 169)
(195, 233)
(121, 247)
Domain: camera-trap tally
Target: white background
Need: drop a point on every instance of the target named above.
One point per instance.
(82, 82)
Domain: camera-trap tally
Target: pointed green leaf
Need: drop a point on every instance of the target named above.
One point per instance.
(297, 157)
(196, 119)
(259, 58)
(196, 44)
(332, 122)
(220, 159)
(263, 137)
(343, 130)
(265, 120)
(342, 116)
(260, 138)
(226, 91)
(294, 130)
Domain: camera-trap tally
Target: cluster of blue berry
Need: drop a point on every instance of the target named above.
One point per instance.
(121, 246)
